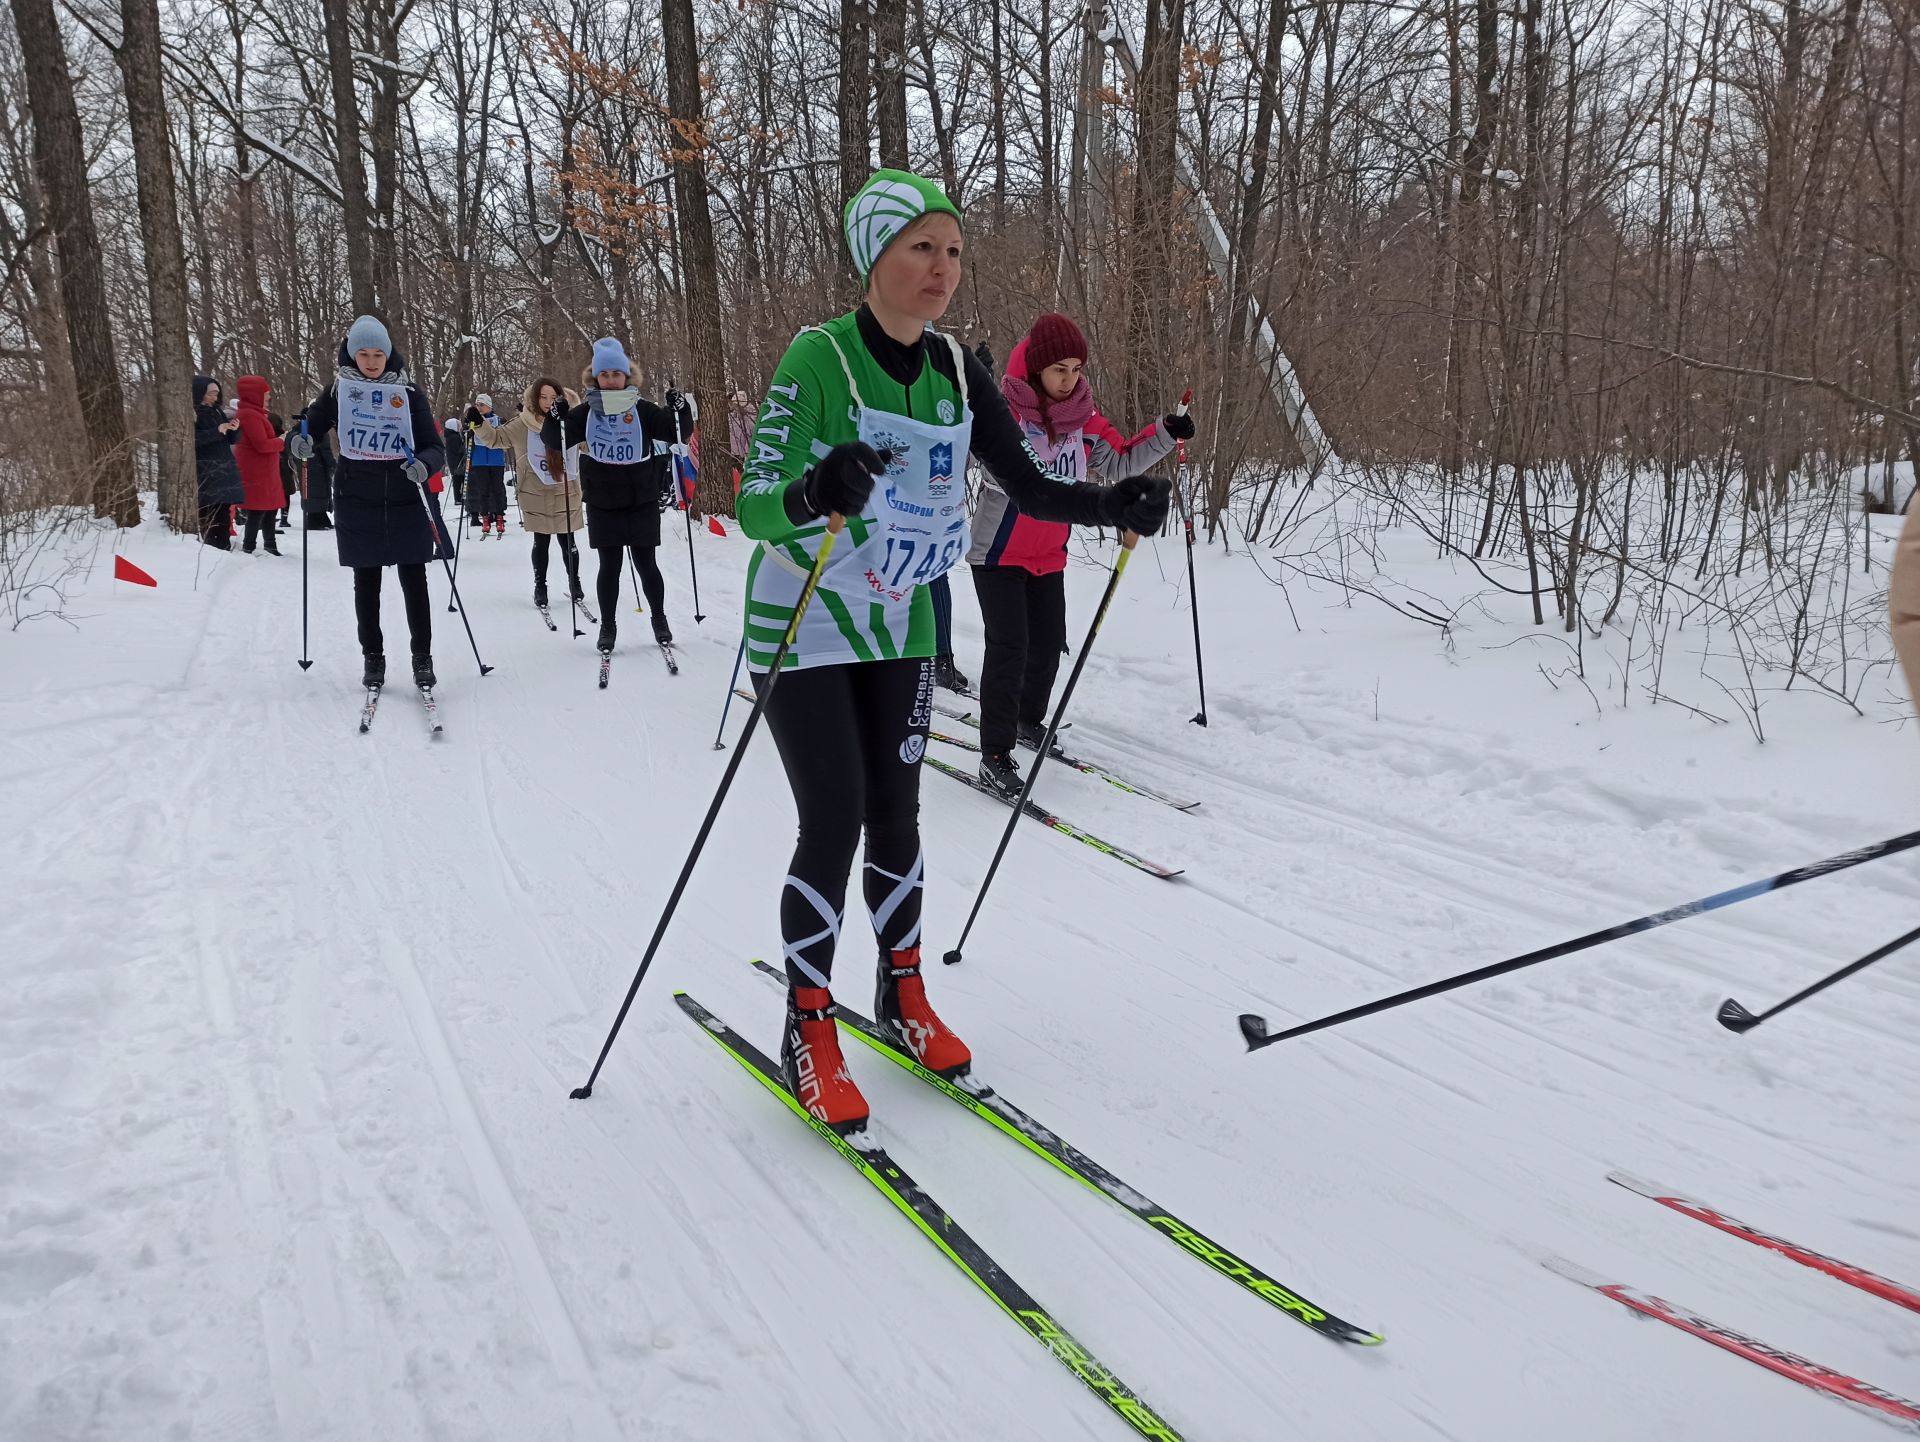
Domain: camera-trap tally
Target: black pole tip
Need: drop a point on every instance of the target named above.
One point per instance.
(304, 665)
(1197, 720)
(952, 958)
(698, 619)
(1735, 1017)
(719, 746)
(486, 670)
(450, 606)
(1254, 1029)
(580, 1094)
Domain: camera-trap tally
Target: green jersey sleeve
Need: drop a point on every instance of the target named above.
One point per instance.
(795, 428)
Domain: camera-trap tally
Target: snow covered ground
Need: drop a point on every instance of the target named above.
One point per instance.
(291, 1014)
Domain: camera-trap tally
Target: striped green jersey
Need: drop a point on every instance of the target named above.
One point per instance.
(809, 410)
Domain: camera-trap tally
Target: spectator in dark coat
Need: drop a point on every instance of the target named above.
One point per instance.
(456, 458)
(317, 499)
(218, 477)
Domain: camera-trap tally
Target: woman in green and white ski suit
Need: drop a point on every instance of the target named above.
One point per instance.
(871, 416)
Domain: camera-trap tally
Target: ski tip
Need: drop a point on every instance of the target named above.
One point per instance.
(1735, 1017)
(952, 958)
(305, 665)
(1254, 1029)
(580, 1094)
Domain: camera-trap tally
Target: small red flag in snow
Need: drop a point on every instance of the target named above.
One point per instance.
(125, 570)
(713, 524)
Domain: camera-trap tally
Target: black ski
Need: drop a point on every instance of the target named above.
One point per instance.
(366, 711)
(587, 611)
(547, 616)
(1047, 1144)
(1066, 828)
(667, 654)
(606, 665)
(934, 1222)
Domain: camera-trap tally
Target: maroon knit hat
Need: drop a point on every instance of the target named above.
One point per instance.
(1053, 339)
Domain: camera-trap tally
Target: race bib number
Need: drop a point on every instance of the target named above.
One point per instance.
(375, 423)
(614, 440)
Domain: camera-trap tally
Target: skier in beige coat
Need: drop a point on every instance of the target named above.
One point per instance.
(1903, 600)
(548, 484)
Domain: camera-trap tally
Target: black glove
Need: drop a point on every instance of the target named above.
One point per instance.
(675, 399)
(843, 480)
(473, 415)
(1179, 426)
(558, 410)
(984, 356)
(1137, 504)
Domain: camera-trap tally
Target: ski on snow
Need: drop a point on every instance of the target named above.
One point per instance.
(938, 1226)
(1048, 1145)
(547, 616)
(1853, 1276)
(433, 710)
(1087, 768)
(606, 665)
(1795, 1368)
(667, 655)
(367, 710)
(1066, 828)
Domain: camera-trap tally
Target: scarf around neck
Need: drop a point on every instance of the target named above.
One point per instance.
(1059, 418)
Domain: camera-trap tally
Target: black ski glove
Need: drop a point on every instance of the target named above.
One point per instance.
(1179, 426)
(1137, 504)
(843, 480)
(473, 416)
(984, 356)
(558, 410)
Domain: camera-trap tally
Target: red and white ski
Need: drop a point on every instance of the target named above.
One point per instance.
(1900, 1296)
(1852, 1390)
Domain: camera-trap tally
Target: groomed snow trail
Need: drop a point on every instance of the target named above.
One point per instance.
(286, 1151)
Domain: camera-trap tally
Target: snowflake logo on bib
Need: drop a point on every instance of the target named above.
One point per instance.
(940, 468)
(946, 412)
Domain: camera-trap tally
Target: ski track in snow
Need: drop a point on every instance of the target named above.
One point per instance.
(286, 1152)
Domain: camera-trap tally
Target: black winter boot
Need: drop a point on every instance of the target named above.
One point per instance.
(998, 770)
(374, 671)
(423, 676)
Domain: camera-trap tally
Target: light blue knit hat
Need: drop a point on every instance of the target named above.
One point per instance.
(367, 333)
(610, 355)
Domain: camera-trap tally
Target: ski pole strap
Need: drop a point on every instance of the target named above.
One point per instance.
(1254, 1028)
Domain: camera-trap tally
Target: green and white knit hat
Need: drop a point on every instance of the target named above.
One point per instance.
(887, 204)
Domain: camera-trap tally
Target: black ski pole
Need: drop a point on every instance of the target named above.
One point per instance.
(1193, 591)
(306, 541)
(1736, 1018)
(1127, 541)
(727, 705)
(687, 500)
(834, 523)
(457, 537)
(1254, 1028)
(437, 523)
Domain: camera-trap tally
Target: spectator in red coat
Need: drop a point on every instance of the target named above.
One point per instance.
(257, 452)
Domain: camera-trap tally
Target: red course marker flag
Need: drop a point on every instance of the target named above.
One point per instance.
(125, 570)
(713, 524)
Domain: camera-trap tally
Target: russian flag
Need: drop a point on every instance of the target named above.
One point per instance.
(686, 471)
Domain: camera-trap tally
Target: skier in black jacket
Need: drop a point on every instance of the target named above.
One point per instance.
(390, 448)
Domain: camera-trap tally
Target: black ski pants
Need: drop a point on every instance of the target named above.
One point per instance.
(569, 556)
(1026, 624)
(258, 522)
(851, 738)
(366, 608)
(607, 583)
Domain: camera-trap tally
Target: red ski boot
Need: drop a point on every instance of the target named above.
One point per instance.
(811, 1063)
(900, 1006)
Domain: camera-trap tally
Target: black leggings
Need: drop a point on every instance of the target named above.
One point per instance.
(607, 583)
(851, 738)
(569, 555)
(1026, 624)
(259, 523)
(366, 608)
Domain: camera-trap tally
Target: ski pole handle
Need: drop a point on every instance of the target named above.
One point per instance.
(1186, 402)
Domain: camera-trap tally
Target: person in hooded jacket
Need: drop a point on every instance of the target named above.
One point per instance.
(218, 479)
(624, 468)
(390, 451)
(289, 471)
(257, 450)
(548, 486)
(1019, 563)
(456, 459)
(486, 467)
